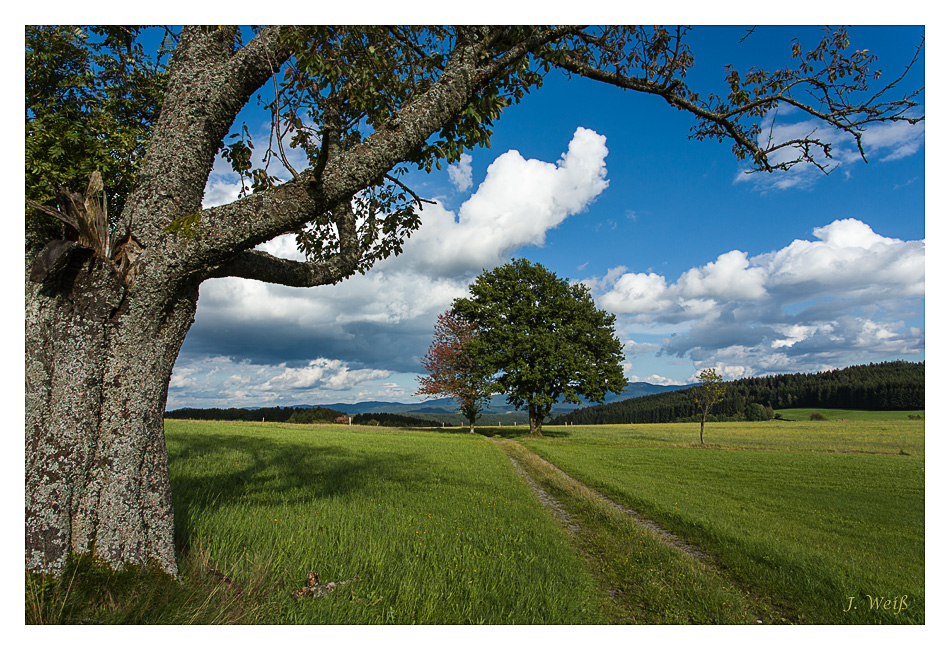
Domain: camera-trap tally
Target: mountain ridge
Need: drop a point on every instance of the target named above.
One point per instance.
(498, 404)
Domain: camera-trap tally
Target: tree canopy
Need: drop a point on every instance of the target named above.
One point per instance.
(451, 370)
(93, 95)
(541, 338)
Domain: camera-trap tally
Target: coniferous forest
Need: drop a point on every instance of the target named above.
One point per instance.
(292, 414)
(299, 415)
(887, 386)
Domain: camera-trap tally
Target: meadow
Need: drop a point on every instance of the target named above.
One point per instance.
(810, 515)
(436, 527)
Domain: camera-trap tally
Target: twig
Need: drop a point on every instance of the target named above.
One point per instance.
(415, 196)
(280, 142)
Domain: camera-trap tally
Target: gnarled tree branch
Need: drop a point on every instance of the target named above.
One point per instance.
(343, 172)
(826, 85)
(259, 265)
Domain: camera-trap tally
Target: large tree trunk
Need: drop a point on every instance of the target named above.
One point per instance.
(98, 361)
(535, 418)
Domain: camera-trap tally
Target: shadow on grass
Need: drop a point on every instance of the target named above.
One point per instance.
(211, 472)
(521, 432)
(490, 432)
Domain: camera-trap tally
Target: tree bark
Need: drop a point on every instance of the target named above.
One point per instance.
(101, 344)
(98, 362)
(535, 418)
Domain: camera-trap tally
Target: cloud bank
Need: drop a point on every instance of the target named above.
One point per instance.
(846, 295)
(381, 322)
(822, 303)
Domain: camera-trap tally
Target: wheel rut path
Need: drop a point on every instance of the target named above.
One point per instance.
(559, 512)
(765, 605)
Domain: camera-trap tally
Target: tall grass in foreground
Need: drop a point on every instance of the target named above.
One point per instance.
(90, 592)
(423, 527)
(810, 530)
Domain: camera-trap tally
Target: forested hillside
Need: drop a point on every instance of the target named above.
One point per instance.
(393, 420)
(888, 386)
(294, 414)
(299, 415)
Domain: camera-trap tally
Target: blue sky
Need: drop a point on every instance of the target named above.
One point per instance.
(704, 265)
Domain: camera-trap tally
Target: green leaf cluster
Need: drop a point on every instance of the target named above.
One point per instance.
(92, 98)
(541, 337)
(343, 83)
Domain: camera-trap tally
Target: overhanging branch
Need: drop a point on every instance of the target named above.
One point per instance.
(828, 88)
(258, 265)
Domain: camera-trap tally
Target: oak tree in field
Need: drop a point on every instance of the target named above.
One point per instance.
(541, 339)
(120, 142)
(451, 371)
(707, 394)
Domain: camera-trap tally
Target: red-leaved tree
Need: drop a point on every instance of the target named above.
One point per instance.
(451, 372)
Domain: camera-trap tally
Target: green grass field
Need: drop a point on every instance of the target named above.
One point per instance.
(849, 415)
(429, 527)
(885, 434)
(810, 530)
(436, 527)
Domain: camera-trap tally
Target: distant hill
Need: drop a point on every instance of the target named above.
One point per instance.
(499, 409)
(497, 406)
(296, 414)
(888, 386)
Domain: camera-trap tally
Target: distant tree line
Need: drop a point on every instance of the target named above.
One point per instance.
(393, 420)
(887, 386)
(299, 415)
(292, 414)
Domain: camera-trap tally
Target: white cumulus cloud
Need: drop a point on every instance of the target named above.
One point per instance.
(384, 319)
(728, 278)
(814, 303)
(331, 374)
(517, 203)
(848, 257)
(461, 173)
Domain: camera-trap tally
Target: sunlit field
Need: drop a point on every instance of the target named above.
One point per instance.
(797, 522)
(863, 433)
(424, 527)
(774, 508)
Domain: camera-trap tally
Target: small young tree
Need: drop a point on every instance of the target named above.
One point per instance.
(541, 338)
(710, 392)
(451, 371)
